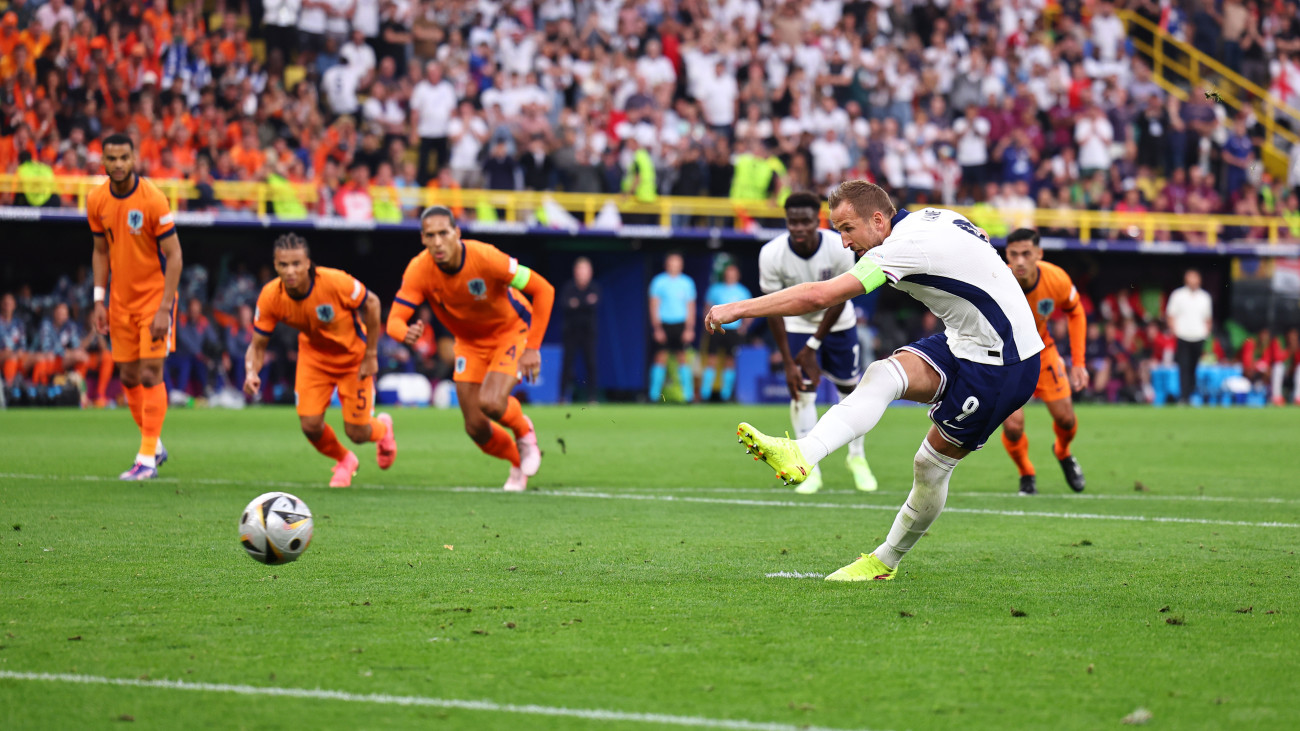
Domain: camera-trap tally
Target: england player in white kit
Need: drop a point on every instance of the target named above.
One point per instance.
(981, 369)
(816, 343)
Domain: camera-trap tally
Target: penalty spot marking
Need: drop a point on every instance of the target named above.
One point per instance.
(794, 575)
(591, 495)
(590, 714)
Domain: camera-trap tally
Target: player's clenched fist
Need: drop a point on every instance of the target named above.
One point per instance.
(413, 333)
(252, 383)
(718, 316)
(100, 318)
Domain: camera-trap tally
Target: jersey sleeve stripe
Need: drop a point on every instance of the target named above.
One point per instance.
(401, 301)
(165, 233)
(260, 331)
(356, 323)
(520, 310)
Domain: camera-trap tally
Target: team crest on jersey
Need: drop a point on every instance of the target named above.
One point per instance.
(135, 219)
(325, 313)
(477, 287)
(930, 214)
(1045, 307)
(827, 273)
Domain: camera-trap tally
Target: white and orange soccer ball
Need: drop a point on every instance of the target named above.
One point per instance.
(275, 528)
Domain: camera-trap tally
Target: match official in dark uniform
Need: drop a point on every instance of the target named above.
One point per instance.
(580, 298)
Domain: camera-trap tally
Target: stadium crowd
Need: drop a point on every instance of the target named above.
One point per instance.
(1011, 104)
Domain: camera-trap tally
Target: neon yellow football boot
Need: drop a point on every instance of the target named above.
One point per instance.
(862, 477)
(811, 484)
(866, 568)
(781, 454)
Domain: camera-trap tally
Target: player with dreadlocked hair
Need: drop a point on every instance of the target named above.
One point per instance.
(332, 312)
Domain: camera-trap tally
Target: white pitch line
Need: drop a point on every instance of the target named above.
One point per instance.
(794, 575)
(588, 494)
(590, 714)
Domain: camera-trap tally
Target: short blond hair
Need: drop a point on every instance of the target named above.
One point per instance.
(865, 197)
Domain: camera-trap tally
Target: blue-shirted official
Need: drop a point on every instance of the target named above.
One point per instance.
(672, 320)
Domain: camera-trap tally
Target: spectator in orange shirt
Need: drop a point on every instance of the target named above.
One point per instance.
(248, 155)
(159, 19)
(167, 169)
(18, 61)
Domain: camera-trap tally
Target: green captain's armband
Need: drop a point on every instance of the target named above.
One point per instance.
(522, 275)
(867, 272)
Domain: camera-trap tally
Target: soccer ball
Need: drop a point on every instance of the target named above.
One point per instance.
(275, 528)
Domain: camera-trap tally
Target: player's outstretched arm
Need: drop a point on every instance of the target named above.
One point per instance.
(99, 265)
(371, 314)
(397, 327)
(797, 300)
(253, 360)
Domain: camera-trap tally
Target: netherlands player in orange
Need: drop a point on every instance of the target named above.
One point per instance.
(136, 244)
(333, 314)
(1048, 289)
(472, 288)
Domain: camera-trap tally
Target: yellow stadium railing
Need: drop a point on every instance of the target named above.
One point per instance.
(518, 206)
(1204, 74)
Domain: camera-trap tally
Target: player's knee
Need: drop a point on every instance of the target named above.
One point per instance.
(494, 408)
(313, 432)
(1013, 432)
(1066, 422)
(358, 433)
(129, 379)
(480, 430)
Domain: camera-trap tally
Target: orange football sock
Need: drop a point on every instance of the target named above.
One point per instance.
(378, 430)
(82, 368)
(1019, 452)
(11, 369)
(501, 445)
(1063, 438)
(153, 409)
(329, 445)
(135, 400)
(514, 419)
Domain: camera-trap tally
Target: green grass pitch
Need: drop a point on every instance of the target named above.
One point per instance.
(632, 583)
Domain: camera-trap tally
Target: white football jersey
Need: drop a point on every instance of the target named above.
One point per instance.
(779, 267)
(939, 257)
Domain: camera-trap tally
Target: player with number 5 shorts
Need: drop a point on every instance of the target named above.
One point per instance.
(337, 319)
(474, 289)
(979, 371)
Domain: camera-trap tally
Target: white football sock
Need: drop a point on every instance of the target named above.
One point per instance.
(146, 461)
(855, 446)
(159, 450)
(858, 413)
(930, 473)
(803, 413)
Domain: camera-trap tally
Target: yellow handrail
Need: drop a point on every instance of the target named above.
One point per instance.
(1266, 104)
(517, 205)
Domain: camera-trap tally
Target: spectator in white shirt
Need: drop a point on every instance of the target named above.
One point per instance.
(280, 22)
(468, 133)
(1107, 32)
(432, 103)
(972, 133)
(360, 56)
(1094, 135)
(1190, 312)
(830, 158)
(311, 27)
(340, 85)
(384, 110)
(829, 116)
(338, 18)
(54, 12)
(654, 67)
(718, 95)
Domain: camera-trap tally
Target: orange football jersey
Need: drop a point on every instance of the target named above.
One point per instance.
(476, 302)
(1054, 292)
(331, 335)
(133, 225)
